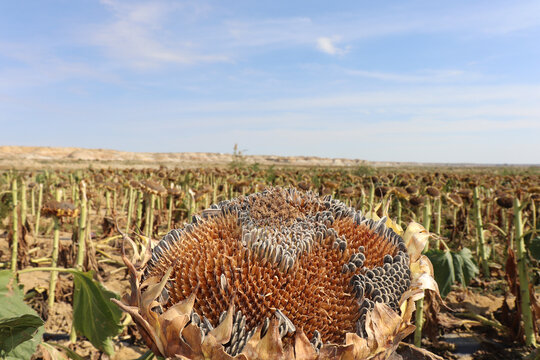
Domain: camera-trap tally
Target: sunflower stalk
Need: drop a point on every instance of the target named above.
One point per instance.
(419, 322)
(33, 201)
(114, 201)
(419, 317)
(169, 212)
(54, 256)
(81, 246)
(526, 312)
(152, 206)
(130, 208)
(426, 217)
(398, 211)
(371, 198)
(15, 242)
(23, 202)
(140, 199)
(438, 216)
(480, 232)
(107, 203)
(125, 199)
(38, 213)
(149, 215)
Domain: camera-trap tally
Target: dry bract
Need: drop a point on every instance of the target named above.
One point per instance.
(280, 274)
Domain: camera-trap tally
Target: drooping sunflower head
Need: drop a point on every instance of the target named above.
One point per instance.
(281, 263)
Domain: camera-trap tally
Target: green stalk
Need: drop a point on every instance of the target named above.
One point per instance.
(33, 201)
(427, 215)
(419, 316)
(38, 214)
(139, 208)
(47, 268)
(454, 220)
(362, 200)
(115, 197)
(427, 219)
(8, 177)
(533, 207)
(107, 202)
(480, 232)
(399, 211)
(419, 322)
(438, 215)
(371, 198)
(81, 246)
(526, 313)
(82, 227)
(159, 203)
(151, 223)
(169, 214)
(125, 199)
(191, 203)
(23, 202)
(147, 218)
(54, 256)
(130, 209)
(73, 191)
(15, 243)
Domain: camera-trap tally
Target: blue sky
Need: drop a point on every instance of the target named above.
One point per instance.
(428, 81)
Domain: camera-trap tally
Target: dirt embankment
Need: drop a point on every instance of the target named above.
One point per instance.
(36, 156)
(40, 157)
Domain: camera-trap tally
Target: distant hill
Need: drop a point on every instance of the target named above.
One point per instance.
(36, 157)
(28, 155)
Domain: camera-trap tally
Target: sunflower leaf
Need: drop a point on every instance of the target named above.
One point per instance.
(94, 315)
(21, 328)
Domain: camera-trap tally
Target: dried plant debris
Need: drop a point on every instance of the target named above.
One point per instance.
(283, 273)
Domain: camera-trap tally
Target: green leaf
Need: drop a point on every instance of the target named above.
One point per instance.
(458, 268)
(94, 315)
(470, 269)
(16, 330)
(18, 319)
(443, 268)
(450, 266)
(534, 248)
(464, 266)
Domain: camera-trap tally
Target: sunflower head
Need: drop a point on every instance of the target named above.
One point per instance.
(276, 274)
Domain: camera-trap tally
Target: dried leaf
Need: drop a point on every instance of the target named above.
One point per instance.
(359, 348)
(415, 239)
(303, 350)
(154, 291)
(222, 333)
(270, 347)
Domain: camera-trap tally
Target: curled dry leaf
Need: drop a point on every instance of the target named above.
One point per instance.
(280, 274)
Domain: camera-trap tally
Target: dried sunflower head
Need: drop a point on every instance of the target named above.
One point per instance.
(279, 274)
(153, 187)
(59, 209)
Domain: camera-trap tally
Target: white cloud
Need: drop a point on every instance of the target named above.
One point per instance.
(138, 37)
(424, 76)
(327, 45)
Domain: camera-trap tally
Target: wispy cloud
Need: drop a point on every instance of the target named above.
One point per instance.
(423, 76)
(38, 66)
(137, 35)
(328, 46)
